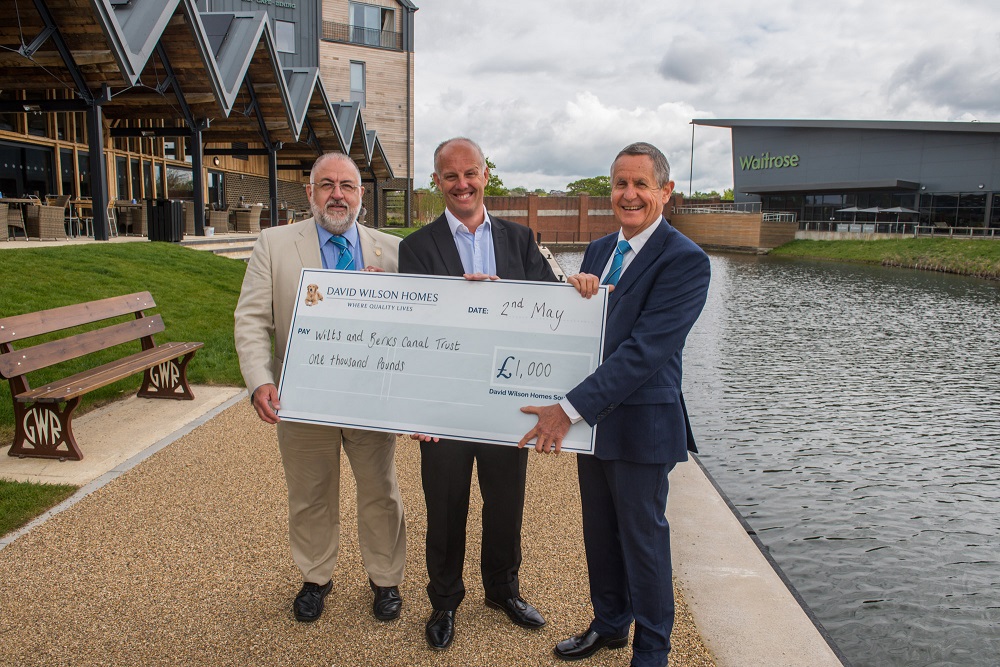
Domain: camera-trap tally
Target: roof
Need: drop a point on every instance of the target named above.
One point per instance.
(165, 60)
(896, 125)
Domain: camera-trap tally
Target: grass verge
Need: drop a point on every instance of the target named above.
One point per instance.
(20, 502)
(979, 258)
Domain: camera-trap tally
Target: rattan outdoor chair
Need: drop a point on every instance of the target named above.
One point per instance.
(45, 222)
(15, 220)
(249, 220)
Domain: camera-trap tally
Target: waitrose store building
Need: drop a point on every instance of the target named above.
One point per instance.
(830, 173)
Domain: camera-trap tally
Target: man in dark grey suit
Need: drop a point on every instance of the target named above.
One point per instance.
(466, 241)
(660, 283)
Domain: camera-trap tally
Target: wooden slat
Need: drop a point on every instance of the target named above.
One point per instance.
(86, 381)
(19, 327)
(20, 362)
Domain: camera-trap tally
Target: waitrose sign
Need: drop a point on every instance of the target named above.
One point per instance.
(767, 161)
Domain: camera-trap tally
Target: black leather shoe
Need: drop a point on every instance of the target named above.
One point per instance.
(387, 602)
(440, 629)
(518, 611)
(586, 644)
(308, 605)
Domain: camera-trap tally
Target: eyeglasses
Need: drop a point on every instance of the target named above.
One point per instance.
(326, 187)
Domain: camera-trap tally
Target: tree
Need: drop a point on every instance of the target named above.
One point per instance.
(599, 186)
(494, 187)
(705, 195)
(518, 191)
(728, 194)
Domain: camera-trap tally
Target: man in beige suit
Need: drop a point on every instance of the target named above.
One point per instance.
(310, 453)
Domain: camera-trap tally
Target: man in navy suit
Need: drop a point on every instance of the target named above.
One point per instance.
(466, 241)
(659, 281)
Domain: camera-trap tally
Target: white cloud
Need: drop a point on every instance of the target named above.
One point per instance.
(552, 90)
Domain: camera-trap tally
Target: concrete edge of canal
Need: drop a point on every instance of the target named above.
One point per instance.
(745, 608)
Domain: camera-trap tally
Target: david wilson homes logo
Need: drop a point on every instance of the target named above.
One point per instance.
(767, 161)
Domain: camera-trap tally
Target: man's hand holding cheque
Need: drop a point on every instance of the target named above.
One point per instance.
(553, 422)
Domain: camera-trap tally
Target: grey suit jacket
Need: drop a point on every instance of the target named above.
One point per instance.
(267, 299)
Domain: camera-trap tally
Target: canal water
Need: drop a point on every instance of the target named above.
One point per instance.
(852, 415)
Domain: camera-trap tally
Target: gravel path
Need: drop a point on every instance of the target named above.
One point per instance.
(184, 561)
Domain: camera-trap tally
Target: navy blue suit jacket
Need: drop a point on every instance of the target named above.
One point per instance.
(634, 397)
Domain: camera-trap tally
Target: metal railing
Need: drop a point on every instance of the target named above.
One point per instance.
(775, 216)
(352, 34)
(742, 207)
(899, 229)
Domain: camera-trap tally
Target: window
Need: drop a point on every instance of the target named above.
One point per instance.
(358, 83)
(136, 179)
(215, 185)
(180, 183)
(121, 167)
(161, 190)
(368, 22)
(9, 121)
(38, 123)
(66, 164)
(83, 166)
(147, 179)
(284, 35)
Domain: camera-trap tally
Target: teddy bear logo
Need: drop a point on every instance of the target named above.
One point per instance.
(313, 295)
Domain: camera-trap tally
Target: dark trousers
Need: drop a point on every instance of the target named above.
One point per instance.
(627, 540)
(446, 472)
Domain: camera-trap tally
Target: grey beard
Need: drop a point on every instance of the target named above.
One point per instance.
(329, 224)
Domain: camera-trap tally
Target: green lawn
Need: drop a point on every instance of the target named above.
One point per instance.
(967, 257)
(195, 292)
(21, 502)
(401, 232)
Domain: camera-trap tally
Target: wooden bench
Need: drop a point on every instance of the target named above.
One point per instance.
(44, 415)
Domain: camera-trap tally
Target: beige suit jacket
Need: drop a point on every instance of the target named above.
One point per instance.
(264, 311)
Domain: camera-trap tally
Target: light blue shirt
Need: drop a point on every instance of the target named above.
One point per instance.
(330, 253)
(475, 248)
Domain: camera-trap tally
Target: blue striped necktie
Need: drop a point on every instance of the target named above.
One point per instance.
(346, 260)
(616, 263)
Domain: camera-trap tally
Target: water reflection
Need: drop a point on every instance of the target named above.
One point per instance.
(853, 416)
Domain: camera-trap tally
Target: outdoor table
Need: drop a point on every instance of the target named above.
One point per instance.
(81, 211)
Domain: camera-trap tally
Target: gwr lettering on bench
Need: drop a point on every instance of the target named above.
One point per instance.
(42, 427)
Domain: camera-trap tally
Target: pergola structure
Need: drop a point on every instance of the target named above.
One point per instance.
(214, 78)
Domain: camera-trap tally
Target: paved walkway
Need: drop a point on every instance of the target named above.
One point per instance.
(183, 559)
(174, 551)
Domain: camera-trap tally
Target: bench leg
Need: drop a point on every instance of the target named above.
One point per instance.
(167, 380)
(44, 431)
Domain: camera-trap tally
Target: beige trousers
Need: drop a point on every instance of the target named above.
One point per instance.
(310, 454)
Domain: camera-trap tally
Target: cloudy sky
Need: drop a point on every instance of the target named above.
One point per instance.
(552, 89)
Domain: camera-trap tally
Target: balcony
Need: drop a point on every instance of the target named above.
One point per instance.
(352, 34)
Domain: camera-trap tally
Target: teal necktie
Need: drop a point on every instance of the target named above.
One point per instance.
(616, 263)
(346, 260)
